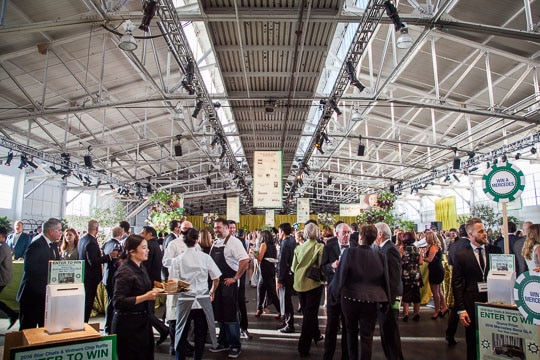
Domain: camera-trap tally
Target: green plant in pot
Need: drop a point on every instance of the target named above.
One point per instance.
(164, 207)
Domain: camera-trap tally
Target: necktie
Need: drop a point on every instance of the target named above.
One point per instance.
(481, 259)
(54, 251)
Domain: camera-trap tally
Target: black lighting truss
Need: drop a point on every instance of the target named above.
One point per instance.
(66, 164)
(368, 23)
(525, 143)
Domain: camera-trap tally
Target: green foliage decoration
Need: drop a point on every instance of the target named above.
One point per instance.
(383, 211)
(4, 221)
(164, 207)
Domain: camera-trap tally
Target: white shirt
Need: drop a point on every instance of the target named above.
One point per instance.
(194, 267)
(175, 248)
(234, 251)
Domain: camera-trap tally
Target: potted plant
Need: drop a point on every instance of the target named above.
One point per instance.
(164, 207)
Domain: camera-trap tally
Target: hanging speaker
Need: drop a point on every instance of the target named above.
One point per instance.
(457, 163)
(392, 189)
(361, 150)
(178, 150)
(88, 161)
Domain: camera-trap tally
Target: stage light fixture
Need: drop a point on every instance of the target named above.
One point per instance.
(319, 143)
(495, 161)
(208, 181)
(214, 141)
(149, 11)
(533, 150)
(187, 83)
(9, 158)
(178, 147)
(127, 41)
(269, 106)
(198, 107)
(329, 181)
(352, 76)
(517, 156)
(392, 13)
(504, 158)
(456, 177)
(325, 137)
(23, 163)
(333, 103)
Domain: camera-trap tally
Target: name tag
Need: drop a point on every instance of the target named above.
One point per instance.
(482, 287)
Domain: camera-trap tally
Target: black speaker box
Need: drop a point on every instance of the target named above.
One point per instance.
(361, 150)
(178, 150)
(88, 161)
(457, 164)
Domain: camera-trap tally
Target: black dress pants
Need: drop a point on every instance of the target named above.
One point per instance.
(310, 302)
(363, 314)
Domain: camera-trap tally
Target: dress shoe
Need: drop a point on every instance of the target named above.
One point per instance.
(286, 330)
(258, 313)
(405, 318)
(172, 352)
(162, 338)
(244, 334)
(320, 338)
(416, 317)
(13, 320)
(450, 340)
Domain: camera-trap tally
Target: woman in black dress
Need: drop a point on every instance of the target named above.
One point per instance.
(267, 259)
(436, 274)
(132, 296)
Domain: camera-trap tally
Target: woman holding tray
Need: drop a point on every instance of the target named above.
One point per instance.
(132, 297)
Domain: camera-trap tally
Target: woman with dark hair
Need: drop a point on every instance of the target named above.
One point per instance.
(310, 290)
(267, 259)
(70, 240)
(132, 297)
(361, 281)
(195, 267)
(411, 276)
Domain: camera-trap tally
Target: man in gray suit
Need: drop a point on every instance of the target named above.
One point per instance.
(390, 338)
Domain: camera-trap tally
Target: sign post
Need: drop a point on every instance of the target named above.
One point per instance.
(504, 184)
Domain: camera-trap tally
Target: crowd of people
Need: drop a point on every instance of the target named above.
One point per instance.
(364, 273)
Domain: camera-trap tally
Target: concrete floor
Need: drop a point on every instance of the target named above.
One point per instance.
(420, 340)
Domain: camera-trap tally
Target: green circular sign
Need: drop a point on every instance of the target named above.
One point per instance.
(527, 296)
(503, 183)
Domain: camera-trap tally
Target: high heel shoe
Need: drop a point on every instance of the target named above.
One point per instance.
(435, 316)
(320, 338)
(258, 313)
(443, 313)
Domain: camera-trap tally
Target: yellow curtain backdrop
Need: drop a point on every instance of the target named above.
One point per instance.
(446, 212)
(254, 222)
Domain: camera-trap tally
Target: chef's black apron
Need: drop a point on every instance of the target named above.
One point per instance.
(225, 302)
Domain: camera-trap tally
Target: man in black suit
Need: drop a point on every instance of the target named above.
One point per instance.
(108, 273)
(388, 325)
(469, 279)
(353, 239)
(89, 251)
(332, 251)
(285, 277)
(33, 287)
(153, 268)
(460, 241)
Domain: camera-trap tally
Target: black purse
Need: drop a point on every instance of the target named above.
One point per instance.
(314, 273)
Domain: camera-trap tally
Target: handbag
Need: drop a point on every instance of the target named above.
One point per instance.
(314, 273)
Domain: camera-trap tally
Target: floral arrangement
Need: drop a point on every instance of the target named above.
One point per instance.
(165, 207)
(326, 219)
(382, 212)
(296, 226)
(209, 218)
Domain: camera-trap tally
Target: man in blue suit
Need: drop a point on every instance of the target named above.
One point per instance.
(32, 290)
(18, 241)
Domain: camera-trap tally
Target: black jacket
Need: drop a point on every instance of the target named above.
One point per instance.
(155, 260)
(286, 255)
(91, 254)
